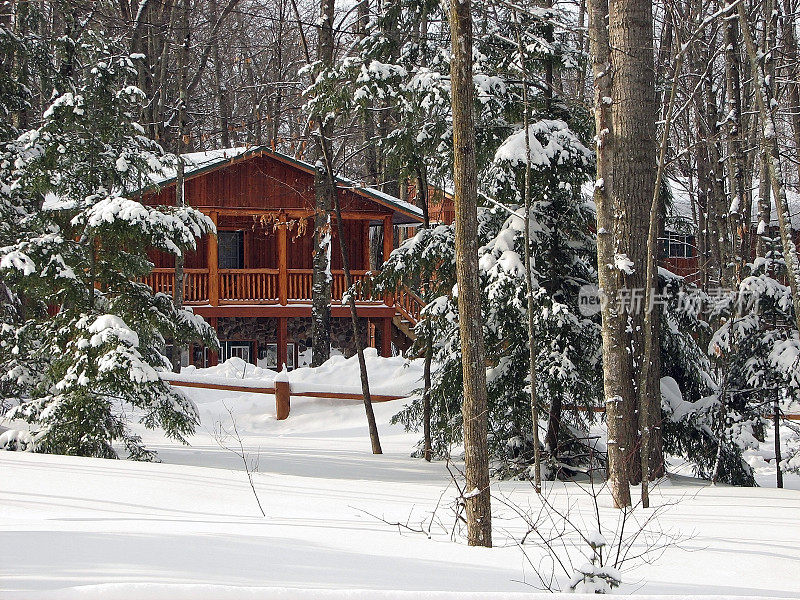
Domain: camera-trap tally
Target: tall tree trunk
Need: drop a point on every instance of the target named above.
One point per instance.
(649, 383)
(633, 114)
(351, 301)
(390, 171)
(616, 370)
(427, 442)
(180, 200)
(160, 85)
(370, 147)
(552, 428)
(470, 323)
(583, 40)
(323, 194)
(792, 60)
(740, 210)
(623, 66)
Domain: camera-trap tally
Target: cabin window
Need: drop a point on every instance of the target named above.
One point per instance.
(169, 349)
(678, 246)
(231, 249)
(268, 356)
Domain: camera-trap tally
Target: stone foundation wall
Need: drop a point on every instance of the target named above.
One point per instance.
(261, 329)
(264, 330)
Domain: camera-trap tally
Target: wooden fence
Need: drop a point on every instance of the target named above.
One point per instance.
(283, 394)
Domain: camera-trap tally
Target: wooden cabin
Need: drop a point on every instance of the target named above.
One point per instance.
(252, 281)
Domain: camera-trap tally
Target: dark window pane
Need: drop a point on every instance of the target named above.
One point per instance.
(231, 249)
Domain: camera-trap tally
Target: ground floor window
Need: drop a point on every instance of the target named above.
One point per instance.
(169, 349)
(237, 348)
(268, 356)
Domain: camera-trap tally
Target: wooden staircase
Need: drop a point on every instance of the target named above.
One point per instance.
(409, 307)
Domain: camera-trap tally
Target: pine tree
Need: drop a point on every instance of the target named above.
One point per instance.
(86, 352)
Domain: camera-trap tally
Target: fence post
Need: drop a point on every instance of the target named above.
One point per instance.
(282, 395)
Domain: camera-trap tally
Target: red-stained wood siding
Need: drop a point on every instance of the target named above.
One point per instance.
(265, 183)
(262, 183)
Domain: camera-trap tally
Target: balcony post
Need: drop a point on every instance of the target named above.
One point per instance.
(388, 237)
(282, 339)
(365, 248)
(386, 337)
(213, 264)
(283, 273)
(388, 246)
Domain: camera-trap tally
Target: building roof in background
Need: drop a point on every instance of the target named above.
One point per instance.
(680, 210)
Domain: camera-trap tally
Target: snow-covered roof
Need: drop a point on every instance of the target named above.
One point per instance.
(202, 162)
(682, 202)
(199, 161)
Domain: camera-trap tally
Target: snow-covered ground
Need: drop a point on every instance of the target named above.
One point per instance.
(190, 527)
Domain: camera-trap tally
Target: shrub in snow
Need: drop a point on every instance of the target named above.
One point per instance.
(756, 351)
(594, 579)
(691, 409)
(79, 351)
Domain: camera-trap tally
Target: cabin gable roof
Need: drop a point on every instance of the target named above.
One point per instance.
(205, 163)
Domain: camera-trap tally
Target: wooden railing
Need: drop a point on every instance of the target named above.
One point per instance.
(248, 285)
(338, 287)
(195, 283)
(299, 284)
(409, 304)
(254, 286)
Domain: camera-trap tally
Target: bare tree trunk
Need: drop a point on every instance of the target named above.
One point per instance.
(180, 200)
(537, 459)
(768, 35)
(583, 40)
(351, 301)
(776, 425)
(649, 393)
(793, 70)
(740, 211)
(625, 117)
(324, 192)
(616, 366)
(422, 201)
(370, 148)
(470, 323)
(633, 113)
(219, 82)
(158, 113)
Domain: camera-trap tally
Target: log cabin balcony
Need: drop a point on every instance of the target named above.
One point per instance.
(263, 258)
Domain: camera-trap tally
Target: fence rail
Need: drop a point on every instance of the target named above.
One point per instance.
(409, 304)
(281, 390)
(284, 402)
(195, 283)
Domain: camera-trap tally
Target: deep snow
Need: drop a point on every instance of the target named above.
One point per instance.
(190, 527)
